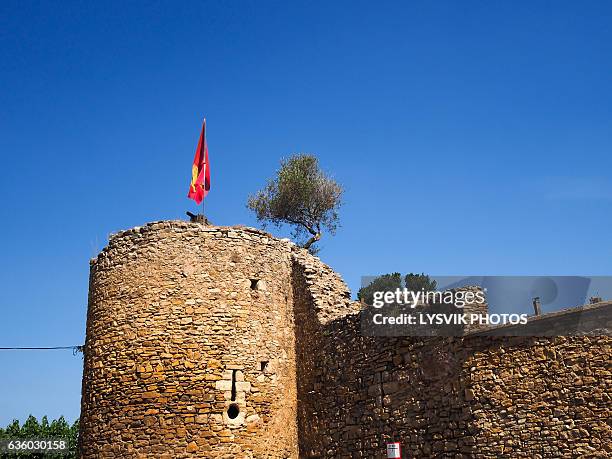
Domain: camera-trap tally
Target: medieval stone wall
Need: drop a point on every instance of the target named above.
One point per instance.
(225, 342)
(540, 397)
(471, 396)
(190, 345)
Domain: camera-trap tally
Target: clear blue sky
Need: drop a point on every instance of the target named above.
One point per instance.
(471, 137)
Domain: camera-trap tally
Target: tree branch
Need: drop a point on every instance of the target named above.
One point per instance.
(310, 229)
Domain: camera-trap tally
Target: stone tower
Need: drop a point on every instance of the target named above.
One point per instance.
(190, 347)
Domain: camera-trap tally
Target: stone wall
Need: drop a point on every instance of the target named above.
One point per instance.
(190, 345)
(471, 396)
(540, 397)
(589, 319)
(225, 342)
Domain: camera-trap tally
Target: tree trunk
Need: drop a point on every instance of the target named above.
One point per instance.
(312, 240)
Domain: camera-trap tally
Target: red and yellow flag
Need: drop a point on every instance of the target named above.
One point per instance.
(200, 171)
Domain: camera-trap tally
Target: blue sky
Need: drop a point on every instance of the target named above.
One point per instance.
(471, 138)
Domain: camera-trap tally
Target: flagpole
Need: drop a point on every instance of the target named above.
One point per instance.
(204, 183)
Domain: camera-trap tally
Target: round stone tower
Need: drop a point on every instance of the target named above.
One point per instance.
(190, 347)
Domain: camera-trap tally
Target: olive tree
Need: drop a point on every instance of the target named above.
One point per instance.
(301, 195)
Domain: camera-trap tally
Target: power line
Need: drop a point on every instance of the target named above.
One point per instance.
(75, 349)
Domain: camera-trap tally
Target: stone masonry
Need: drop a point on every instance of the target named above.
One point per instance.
(223, 342)
(190, 345)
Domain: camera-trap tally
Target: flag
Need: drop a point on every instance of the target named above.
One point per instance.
(200, 171)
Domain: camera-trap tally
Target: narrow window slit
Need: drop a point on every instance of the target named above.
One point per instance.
(233, 385)
(254, 284)
(263, 365)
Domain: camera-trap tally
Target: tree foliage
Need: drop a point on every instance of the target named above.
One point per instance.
(384, 283)
(31, 428)
(391, 282)
(417, 282)
(301, 195)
